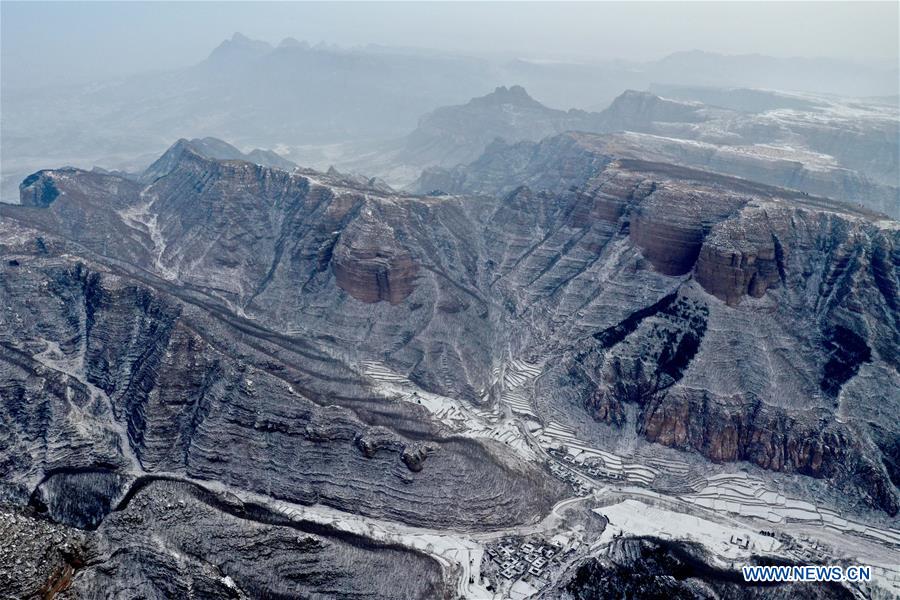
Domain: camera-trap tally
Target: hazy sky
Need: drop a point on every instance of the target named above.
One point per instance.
(45, 42)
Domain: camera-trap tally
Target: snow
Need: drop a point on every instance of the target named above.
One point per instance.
(635, 518)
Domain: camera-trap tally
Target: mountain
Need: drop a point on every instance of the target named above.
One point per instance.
(303, 100)
(378, 386)
(740, 99)
(635, 111)
(211, 148)
(724, 236)
(458, 134)
(843, 149)
(290, 96)
(239, 50)
(814, 75)
(454, 135)
(592, 85)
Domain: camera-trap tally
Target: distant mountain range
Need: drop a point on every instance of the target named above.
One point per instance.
(304, 101)
(846, 150)
(454, 135)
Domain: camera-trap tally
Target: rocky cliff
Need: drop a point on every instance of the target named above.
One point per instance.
(212, 328)
(710, 256)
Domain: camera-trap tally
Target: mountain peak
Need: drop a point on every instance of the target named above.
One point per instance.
(214, 149)
(514, 94)
(239, 48)
(172, 157)
(290, 42)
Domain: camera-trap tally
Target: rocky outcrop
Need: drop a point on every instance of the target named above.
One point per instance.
(737, 260)
(738, 429)
(670, 228)
(370, 265)
(376, 439)
(38, 190)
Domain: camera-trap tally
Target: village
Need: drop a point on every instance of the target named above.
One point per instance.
(527, 560)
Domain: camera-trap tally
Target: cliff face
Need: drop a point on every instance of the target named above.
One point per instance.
(741, 273)
(369, 264)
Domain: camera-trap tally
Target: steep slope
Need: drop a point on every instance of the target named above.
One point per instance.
(645, 329)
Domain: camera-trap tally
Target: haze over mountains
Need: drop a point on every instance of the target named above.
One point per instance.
(846, 150)
(305, 100)
(375, 322)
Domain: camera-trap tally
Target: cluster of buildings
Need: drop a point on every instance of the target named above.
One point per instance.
(567, 475)
(532, 558)
(810, 550)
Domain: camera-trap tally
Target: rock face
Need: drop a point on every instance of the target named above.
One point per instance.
(737, 251)
(208, 333)
(370, 265)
